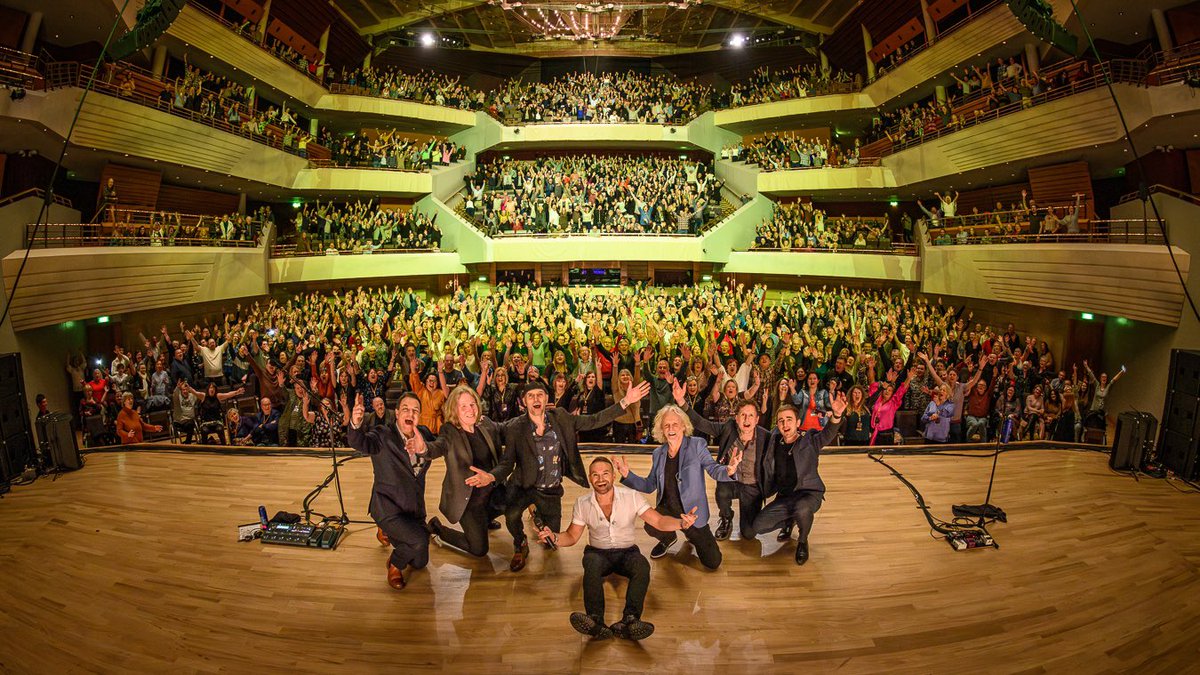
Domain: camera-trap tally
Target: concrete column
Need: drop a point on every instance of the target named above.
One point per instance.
(241, 204)
(1032, 61)
(821, 52)
(261, 30)
(158, 61)
(930, 30)
(1161, 30)
(868, 45)
(313, 127)
(367, 58)
(939, 91)
(31, 32)
(323, 45)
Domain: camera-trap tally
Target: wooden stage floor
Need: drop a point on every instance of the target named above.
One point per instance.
(132, 565)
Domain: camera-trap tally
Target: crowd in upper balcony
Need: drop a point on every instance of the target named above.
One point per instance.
(392, 149)
(775, 151)
(947, 226)
(362, 226)
(594, 194)
(766, 85)
(601, 98)
(801, 225)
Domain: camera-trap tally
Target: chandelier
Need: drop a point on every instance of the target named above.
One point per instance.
(594, 20)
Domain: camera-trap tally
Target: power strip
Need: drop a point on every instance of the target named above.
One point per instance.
(966, 540)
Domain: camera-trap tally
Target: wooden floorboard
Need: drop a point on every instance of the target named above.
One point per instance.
(131, 565)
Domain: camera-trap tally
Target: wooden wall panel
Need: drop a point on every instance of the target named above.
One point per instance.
(881, 17)
(1057, 185)
(136, 188)
(12, 27)
(196, 201)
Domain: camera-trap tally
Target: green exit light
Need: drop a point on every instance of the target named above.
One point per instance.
(102, 319)
(296, 203)
(1122, 321)
(893, 203)
(1087, 316)
(482, 277)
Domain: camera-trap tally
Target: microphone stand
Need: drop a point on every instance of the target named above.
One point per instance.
(987, 510)
(342, 519)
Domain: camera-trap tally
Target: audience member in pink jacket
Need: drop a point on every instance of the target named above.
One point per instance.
(883, 412)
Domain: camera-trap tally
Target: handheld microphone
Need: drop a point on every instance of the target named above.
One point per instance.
(262, 516)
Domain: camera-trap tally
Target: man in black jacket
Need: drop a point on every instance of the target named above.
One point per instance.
(398, 494)
(742, 433)
(541, 448)
(795, 483)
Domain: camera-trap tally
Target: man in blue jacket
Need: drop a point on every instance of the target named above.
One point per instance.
(677, 474)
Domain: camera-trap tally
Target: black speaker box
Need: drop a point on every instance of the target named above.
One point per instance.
(1185, 372)
(10, 374)
(58, 438)
(1133, 440)
(16, 453)
(1177, 452)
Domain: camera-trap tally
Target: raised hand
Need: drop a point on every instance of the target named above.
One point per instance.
(735, 458)
(688, 519)
(416, 444)
(635, 394)
(679, 391)
(356, 416)
(621, 466)
(838, 404)
(480, 478)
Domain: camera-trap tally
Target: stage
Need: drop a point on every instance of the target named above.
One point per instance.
(132, 564)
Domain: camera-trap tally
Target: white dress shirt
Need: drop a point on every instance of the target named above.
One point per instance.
(617, 531)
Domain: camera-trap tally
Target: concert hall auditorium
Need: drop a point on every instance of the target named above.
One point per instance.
(585, 336)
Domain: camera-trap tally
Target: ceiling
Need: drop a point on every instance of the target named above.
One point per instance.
(549, 27)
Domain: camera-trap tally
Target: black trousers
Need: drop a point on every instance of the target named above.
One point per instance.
(548, 503)
(750, 503)
(188, 427)
(627, 562)
(798, 506)
(410, 540)
(624, 433)
(481, 509)
(700, 537)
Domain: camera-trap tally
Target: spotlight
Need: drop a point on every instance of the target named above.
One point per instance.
(738, 40)
(427, 39)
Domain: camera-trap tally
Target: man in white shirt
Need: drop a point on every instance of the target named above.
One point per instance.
(610, 513)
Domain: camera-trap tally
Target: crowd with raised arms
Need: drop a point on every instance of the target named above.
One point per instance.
(393, 149)
(363, 227)
(776, 151)
(977, 91)
(766, 84)
(801, 225)
(593, 193)
(947, 225)
(601, 98)
(890, 353)
(168, 228)
(421, 87)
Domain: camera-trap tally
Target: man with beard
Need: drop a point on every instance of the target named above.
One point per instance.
(398, 493)
(610, 514)
(541, 450)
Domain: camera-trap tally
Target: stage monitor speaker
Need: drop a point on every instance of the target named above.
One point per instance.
(16, 438)
(59, 442)
(1177, 448)
(1133, 440)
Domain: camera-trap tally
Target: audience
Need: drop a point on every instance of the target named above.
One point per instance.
(800, 225)
(766, 85)
(393, 150)
(783, 151)
(725, 342)
(594, 194)
(363, 227)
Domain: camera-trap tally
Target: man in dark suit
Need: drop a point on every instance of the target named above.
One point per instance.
(380, 416)
(398, 494)
(741, 433)
(541, 449)
(795, 483)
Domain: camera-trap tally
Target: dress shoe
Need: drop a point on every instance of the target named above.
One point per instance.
(588, 625)
(785, 533)
(724, 528)
(660, 549)
(520, 556)
(383, 538)
(395, 577)
(632, 628)
(435, 530)
(801, 553)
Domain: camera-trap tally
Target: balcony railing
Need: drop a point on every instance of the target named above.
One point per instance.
(59, 235)
(35, 192)
(291, 251)
(895, 248)
(1115, 231)
(261, 44)
(19, 70)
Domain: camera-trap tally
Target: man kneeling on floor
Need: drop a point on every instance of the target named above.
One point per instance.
(610, 513)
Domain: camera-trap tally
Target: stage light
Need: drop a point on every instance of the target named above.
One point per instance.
(1087, 316)
(427, 39)
(102, 319)
(737, 41)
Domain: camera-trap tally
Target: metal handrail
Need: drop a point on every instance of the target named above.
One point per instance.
(82, 235)
(289, 251)
(130, 216)
(831, 88)
(1165, 189)
(330, 163)
(862, 161)
(1115, 231)
(897, 248)
(35, 192)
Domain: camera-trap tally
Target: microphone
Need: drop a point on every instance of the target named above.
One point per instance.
(262, 516)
